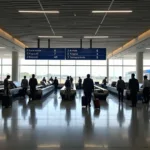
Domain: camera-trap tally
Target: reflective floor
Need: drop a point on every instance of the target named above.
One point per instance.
(52, 124)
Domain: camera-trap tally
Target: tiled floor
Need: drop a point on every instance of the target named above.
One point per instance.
(54, 125)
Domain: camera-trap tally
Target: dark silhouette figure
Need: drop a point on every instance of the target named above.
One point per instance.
(80, 83)
(33, 83)
(88, 87)
(120, 88)
(146, 87)
(56, 84)
(134, 88)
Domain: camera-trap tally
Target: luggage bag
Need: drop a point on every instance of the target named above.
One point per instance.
(96, 103)
(84, 101)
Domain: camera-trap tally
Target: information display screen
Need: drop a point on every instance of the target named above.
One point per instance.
(65, 53)
(45, 53)
(86, 54)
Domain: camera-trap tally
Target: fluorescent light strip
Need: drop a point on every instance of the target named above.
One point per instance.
(148, 48)
(39, 12)
(111, 11)
(51, 37)
(2, 47)
(96, 37)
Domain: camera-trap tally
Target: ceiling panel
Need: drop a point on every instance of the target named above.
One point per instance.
(75, 20)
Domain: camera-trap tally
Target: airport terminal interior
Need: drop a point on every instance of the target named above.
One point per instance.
(56, 39)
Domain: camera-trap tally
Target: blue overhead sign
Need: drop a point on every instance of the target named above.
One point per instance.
(45, 53)
(86, 53)
(68, 53)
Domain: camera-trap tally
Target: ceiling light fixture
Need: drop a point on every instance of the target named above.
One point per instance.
(148, 48)
(111, 11)
(2, 47)
(96, 37)
(51, 37)
(40, 12)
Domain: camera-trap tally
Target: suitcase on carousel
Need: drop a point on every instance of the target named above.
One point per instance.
(96, 103)
(84, 101)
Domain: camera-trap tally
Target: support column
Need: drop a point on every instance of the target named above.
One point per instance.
(15, 64)
(107, 70)
(139, 66)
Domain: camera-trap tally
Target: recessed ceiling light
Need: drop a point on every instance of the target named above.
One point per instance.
(39, 12)
(2, 47)
(51, 37)
(148, 48)
(112, 11)
(96, 37)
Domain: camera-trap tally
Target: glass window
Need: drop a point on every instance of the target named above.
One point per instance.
(146, 71)
(7, 61)
(114, 73)
(127, 71)
(42, 62)
(146, 62)
(129, 62)
(83, 62)
(27, 62)
(54, 71)
(99, 62)
(26, 71)
(6, 70)
(82, 71)
(54, 62)
(0, 74)
(0, 60)
(41, 71)
(115, 62)
(67, 71)
(67, 62)
(98, 73)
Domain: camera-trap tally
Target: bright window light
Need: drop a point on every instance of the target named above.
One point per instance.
(40, 12)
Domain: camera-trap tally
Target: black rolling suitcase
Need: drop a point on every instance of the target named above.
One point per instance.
(6, 101)
(84, 101)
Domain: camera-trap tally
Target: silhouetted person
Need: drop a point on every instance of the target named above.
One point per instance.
(88, 87)
(146, 87)
(33, 83)
(55, 83)
(120, 88)
(80, 83)
(68, 88)
(134, 88)
(51, 80)
(24, 85)
(104, 82)
(44, 79)
(71, 79)
(6, 85)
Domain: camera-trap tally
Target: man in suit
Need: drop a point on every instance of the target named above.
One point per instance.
(134, 88)
(88, 87)
(33, 83)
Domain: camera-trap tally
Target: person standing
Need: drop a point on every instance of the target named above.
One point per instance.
(146, 87)
(55, 84)
(134, 88)
(68, 88)
(44, 79)
(120, 88)
(24, 85)
(88, 87)
(104, 82)
(6, 85)
(80, 83)
(33, 83)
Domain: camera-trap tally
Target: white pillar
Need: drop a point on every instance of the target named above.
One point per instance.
(15, 66)
(108, 70)
(139, 66)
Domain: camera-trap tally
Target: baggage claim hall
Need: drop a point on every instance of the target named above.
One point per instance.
(74, 74)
